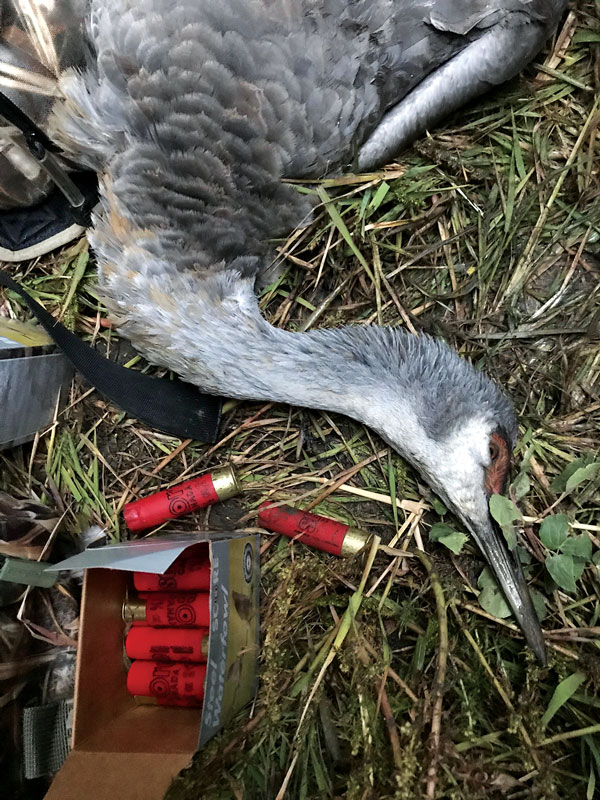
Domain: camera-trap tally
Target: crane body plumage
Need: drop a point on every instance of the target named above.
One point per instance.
(193, 112)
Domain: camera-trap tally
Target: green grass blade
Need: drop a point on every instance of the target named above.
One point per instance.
(562, 694)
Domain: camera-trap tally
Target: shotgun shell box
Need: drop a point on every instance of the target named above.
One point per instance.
(129, 747)
(313, 530)
(181, 499)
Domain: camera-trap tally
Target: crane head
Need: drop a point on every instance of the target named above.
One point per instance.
(473, 466)
(458, 429)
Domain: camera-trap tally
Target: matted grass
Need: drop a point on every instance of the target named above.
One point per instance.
(385, 677)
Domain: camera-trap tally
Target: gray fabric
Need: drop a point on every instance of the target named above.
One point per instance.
(46, 738)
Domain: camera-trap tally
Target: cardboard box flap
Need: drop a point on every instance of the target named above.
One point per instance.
(155, 554)
(111, 776)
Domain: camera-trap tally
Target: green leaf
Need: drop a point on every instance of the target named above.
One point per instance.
(339, 223)
(510, 536)
(578, 546)
(559, 483)
(380, 195)
(525, 556)
(486, 578)
(454, 542)
(539, 603)
(521, 485)
(586, 36)
(595, 752)
(554, 531)
(582, 474)
(438, 530)
(562, 569)
(503, 510)
(450, 538)
(491, 598)
(78, 273)
(492, 601)
(591, 785)
(563, 692)
(579, 565)
(439, 508)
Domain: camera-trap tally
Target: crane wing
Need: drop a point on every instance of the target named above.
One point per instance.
(462, 16)
(490, 42)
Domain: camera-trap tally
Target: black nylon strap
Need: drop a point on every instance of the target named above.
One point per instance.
(171, 406)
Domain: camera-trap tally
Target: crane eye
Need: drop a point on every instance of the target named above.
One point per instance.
(494, 450)
(497, 470)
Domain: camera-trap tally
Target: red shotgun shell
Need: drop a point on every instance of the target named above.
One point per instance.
(312, 529)
(181, 499)
(191, 702)
(176, 610)
(167, 644)
(189, 572)
(167, 682)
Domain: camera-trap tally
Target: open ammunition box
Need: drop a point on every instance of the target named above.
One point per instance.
(122, 749)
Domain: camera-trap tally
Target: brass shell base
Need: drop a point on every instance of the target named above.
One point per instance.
(225, 482)
(355, 541)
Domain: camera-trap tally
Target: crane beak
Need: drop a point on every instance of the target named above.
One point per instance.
(509, 573)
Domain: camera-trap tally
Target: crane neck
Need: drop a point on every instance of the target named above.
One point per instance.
(205, 324)
(211, 332)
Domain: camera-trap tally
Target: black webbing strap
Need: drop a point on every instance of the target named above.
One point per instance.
(43, 149)
(171, 406)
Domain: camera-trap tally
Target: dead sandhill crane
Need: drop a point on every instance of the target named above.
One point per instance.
(192, 113)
